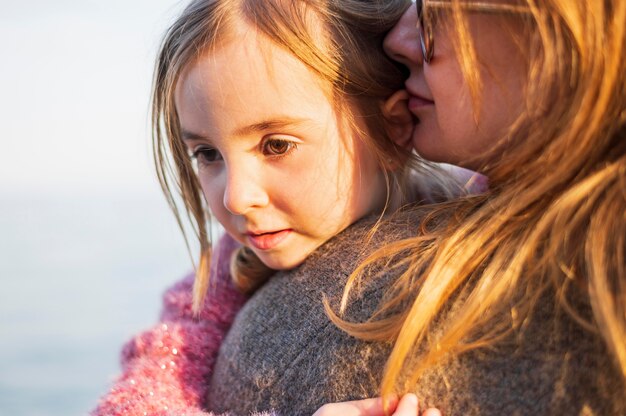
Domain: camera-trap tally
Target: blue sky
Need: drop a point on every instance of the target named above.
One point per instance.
(75, 80)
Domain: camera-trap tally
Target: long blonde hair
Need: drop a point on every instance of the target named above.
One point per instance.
(350, 61)
(554, 217)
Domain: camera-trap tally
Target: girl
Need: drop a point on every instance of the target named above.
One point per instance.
(514, 302)
(279, 105)
(329, 90)
(283, 176)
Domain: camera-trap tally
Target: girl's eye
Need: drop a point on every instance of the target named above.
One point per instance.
(278, 147)
(206, 155)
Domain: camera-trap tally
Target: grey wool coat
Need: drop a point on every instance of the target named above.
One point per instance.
(285, 356)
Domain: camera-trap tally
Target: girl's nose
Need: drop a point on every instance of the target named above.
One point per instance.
(402, 42)
(244, 191)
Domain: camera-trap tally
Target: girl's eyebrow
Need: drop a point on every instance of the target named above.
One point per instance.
(258, 127)
(189, 136)
(270, 124)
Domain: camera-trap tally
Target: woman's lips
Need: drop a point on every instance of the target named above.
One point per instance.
(416, 103)
(269, 240)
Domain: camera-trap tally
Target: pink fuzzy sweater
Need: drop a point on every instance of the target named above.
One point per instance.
(166, 369)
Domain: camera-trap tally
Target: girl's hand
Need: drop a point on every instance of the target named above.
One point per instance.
(407, 406)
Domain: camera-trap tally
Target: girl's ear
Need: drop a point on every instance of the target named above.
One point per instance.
(398, 118)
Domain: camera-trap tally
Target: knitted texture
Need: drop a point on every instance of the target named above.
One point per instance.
(282, 352)
(165, 369)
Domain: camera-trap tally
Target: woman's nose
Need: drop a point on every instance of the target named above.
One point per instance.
(402, 42)
(244, 190)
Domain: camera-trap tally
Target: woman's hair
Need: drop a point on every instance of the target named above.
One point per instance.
(554, 220)
(347, 57)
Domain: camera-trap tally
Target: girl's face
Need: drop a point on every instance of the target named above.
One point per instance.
(278, 167)
(451, 127)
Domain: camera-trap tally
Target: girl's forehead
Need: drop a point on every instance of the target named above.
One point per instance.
(258, 62)
(247, 81)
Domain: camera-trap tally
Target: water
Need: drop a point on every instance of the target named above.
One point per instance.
(79, 276)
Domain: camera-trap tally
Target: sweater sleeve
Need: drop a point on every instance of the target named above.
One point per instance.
(165, 370)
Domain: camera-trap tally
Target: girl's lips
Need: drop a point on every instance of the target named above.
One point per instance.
(267, 241)
(415, 103)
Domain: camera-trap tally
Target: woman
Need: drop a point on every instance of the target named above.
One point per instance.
(515, 301)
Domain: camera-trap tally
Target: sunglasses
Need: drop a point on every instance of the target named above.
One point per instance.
(425, 18)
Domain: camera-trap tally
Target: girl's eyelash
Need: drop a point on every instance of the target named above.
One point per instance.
(278, 147)
(271, 146)
(205, 155)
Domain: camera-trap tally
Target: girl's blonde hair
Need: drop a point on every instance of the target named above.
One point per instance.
(554, 219)
(349, 59)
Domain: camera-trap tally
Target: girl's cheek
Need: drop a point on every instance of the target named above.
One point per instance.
(211, 188)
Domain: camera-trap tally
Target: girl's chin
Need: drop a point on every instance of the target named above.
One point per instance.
(279, 262)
